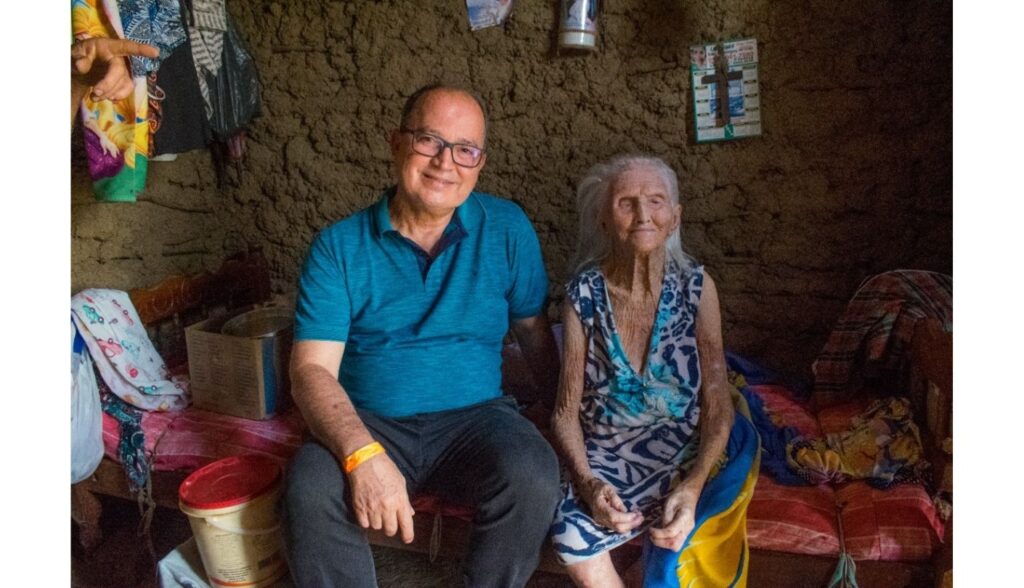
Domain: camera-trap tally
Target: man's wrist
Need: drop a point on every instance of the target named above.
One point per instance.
(362, 455)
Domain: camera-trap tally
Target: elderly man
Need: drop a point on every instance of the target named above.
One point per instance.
(396, 367)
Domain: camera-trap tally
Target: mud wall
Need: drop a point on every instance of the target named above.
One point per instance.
(853, 175)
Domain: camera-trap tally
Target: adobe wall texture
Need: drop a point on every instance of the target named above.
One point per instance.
(853, 175)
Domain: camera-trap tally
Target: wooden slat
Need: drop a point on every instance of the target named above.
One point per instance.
(240, 281)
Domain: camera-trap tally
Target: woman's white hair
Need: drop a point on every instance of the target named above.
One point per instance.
(593, 243)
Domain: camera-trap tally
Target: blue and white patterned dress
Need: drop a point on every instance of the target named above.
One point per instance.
(638, 428)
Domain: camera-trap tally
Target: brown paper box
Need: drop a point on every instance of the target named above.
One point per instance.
(240, 376)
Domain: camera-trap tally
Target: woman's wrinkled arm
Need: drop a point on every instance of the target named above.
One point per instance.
(565, 420)
(606, 507)
(716, 408)
(716, 418)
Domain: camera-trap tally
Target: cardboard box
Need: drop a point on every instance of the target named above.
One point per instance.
(240, 376)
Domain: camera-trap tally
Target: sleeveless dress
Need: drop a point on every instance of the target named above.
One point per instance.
(639, 429)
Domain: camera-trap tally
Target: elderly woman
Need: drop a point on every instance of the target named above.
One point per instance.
(645, 421)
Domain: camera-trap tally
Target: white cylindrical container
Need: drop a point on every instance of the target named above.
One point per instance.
(578, 29)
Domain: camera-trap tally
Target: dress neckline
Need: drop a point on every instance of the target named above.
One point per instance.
(645, 366)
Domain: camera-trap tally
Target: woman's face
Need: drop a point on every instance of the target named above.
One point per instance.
(641, 215)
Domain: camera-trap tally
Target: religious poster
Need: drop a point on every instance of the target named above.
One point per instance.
(726, 100)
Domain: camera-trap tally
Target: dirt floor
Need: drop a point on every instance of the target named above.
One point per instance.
(122, 560)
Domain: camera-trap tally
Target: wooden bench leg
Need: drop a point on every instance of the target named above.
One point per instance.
(86, 510)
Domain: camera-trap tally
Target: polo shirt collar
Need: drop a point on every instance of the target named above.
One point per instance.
(470, 214)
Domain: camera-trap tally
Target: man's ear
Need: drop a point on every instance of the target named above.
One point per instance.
(483, 160)
(395, 141)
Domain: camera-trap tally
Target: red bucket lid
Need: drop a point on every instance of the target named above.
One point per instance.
(229, 482)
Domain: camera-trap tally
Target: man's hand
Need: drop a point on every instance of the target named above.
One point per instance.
(99, 63)
(380, 499)
(678, 519)
(607, 508)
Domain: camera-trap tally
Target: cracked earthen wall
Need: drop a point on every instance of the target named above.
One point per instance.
(853, 175)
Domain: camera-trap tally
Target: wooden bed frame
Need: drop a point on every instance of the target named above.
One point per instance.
(179, 301)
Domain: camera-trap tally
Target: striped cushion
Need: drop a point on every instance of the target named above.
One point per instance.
(895, 524)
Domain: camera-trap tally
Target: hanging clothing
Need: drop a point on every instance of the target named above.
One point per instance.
(209, 22)
(228, 81)
(116, 133)
(153, 22)
(183, 125)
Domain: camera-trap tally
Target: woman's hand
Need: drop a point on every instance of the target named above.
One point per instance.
(607, 508)
(678, 519)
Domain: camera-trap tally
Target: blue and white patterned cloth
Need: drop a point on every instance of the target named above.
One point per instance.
(638, 428)
(154, 22)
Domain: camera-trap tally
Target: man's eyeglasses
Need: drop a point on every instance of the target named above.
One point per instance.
(431, 145)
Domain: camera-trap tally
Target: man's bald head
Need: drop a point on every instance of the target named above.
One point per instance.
(413, 103)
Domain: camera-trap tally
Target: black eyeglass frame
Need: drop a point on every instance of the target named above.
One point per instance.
(444, 145)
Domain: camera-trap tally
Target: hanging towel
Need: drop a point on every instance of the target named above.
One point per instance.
(116, 133)
(123, 353)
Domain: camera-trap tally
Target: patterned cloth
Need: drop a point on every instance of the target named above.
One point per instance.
(873, 335)
(116, 133)
(639, 427)
(131, 446)
(208, 24)
(123, 353)
(882, 447)
(716, 553)
(153, 22)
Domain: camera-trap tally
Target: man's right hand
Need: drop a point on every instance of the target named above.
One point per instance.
(380, 499)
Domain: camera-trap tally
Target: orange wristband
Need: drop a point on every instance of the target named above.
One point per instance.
(362, 454)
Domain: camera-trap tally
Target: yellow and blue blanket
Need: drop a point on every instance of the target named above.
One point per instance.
(716, 551)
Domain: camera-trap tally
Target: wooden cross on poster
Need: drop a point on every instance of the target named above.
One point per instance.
(721, 80)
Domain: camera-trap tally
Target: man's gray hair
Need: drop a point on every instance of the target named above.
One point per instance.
(593, 243)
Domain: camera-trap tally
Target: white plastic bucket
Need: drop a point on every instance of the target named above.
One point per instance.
(230, 505)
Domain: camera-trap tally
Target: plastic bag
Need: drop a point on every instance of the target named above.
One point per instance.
(235, 91)
(86, 412)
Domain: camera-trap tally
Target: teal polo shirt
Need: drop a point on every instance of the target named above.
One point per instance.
(421, 337)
